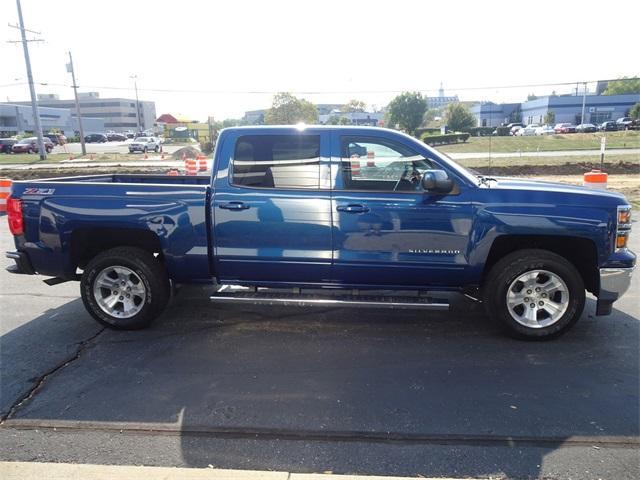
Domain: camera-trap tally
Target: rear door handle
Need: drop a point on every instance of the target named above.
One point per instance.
(353, 208)
(233, 206)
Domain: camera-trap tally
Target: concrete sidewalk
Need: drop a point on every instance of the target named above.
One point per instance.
(68, 471)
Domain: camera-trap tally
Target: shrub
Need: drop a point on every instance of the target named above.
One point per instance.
(427, 130)
(503, 131)
(207, 148)
(480, 131)
(445, 139)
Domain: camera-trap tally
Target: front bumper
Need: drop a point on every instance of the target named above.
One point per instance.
(614, 282)
(22, 265)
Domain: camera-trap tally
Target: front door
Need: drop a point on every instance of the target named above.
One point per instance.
(272, 209)
(387, 230)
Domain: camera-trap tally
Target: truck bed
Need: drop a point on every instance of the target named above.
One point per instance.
(129, 178)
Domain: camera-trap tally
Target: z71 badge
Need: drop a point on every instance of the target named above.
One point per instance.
(38, 191)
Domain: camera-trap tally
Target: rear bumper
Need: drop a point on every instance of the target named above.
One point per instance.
(614, 282)
(22, 263)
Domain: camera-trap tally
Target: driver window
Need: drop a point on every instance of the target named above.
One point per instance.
(374, 164)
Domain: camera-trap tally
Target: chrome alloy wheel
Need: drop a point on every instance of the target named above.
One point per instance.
(119, 292)
(537, 298)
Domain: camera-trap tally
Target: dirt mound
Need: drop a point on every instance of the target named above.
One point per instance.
(618, 168)
(188, 152)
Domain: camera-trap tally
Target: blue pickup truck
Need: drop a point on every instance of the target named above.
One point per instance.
(342, 216)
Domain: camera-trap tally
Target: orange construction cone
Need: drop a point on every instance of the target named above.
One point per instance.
(71, 156)
(146, 157)
(91, 157)
(162, 156)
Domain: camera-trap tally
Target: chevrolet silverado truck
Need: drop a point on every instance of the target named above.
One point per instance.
(338, 216)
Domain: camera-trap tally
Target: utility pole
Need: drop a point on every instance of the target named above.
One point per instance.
(584, 101)
(75, 93)
(32, 90)
(135, 85)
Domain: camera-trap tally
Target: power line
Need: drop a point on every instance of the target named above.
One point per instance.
(326, 92)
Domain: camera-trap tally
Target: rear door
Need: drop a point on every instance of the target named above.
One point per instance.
(387, 230)
(272, 207)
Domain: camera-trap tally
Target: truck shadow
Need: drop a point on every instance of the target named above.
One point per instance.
(350, 391)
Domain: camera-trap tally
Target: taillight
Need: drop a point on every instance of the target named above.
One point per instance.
(14, 215)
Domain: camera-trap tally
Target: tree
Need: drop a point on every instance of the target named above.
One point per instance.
(336, 120)
(550, 117)
(354, 106)
(459, 117)
(287, 109)
(623, 85)
(406, 111)
(429, 116)
(634, 112)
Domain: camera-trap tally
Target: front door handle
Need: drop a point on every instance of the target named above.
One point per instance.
(234, 206)
(353, 208)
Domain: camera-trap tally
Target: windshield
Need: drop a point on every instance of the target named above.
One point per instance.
(142, 139)
(25, 141)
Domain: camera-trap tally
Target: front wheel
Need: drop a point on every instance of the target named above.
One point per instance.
(535, 294)
(125, 288)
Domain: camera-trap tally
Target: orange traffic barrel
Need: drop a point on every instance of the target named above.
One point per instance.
(202, 163)
(595, 179)
(191, 166)
(5, 189)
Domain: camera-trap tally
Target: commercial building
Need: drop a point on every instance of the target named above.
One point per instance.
(568, 108)
(19, 120)
(119, 114)
(441, 100)
(489, 114)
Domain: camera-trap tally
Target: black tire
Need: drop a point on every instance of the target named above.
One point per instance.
(150, 271)
(157, 149)
(144, 150)
(509, 268)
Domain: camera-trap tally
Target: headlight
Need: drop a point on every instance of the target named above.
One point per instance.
(624, 226)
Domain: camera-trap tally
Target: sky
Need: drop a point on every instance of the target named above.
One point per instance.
(198, 58)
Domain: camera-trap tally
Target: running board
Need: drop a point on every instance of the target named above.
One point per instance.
(290, 299)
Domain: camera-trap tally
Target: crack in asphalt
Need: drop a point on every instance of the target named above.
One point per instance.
(82, 345)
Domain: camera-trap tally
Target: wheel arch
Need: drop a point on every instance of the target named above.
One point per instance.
(581, 252)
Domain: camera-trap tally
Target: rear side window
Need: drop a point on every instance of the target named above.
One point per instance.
(277, 161)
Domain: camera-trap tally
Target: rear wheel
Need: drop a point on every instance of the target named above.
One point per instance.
(534, 294)
(125, 288)
(144, 150)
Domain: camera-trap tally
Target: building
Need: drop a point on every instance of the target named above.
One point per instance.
(489, 114)
(568, 108)
(18, 120)
(441, 100)
(352, 118)
(119, 114)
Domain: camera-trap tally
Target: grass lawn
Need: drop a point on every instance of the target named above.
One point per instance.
(542, 160)
(573, 141)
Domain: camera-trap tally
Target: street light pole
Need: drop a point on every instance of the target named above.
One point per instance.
(75, 93)
(32, 90)
(135, 85)
(584, 101)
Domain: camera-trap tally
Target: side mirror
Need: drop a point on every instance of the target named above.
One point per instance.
(436, 181)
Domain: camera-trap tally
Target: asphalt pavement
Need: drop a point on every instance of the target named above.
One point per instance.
(314, 390)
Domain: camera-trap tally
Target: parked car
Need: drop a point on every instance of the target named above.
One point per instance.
(56, 138)
(515, 129)
(608, 126)
(96, 138)
(586, 128)
(564, 128)
(144, 145)
(522, 246)
(527, 131)
(116, 137)
(30, 145)
(129, 134)
(545, 130)
(624, 123)
(6, 144)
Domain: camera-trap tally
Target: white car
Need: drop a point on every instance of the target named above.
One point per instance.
(144, 145)
(545, 130)
(528, 130)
